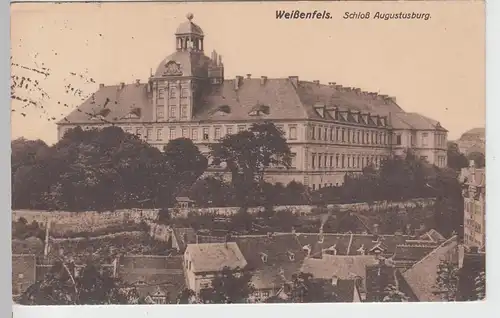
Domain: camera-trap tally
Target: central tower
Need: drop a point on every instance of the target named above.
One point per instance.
(178, 82)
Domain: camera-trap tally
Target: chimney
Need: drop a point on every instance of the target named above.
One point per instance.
(122, 85)
(249, 76)
(316, 82)
(237, 82)
(294, 80)
(263, 80)
(137, 82)
(335, 280)
(101, 85)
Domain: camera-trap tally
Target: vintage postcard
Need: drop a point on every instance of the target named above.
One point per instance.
(207, 153)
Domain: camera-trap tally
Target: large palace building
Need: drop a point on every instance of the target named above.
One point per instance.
(331, 129)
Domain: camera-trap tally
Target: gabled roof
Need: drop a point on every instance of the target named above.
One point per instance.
(213, 257)
(421, 277)
(282, 97)
(150, 273)
(120, 101)
(344, 267)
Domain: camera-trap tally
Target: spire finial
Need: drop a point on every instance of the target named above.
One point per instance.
(189, 16)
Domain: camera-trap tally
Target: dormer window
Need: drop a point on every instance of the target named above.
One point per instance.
(361, 250)
(320, 109)
(263, 257)
(291, 256)
(259, 109)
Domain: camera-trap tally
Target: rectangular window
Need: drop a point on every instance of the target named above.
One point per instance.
(159, 134)
(293, 133)
(319, 133)
(172, 112)
(159, 112)
(172, 92)
(343, 161)
(184, 93)
(217, 133)
(343, 135)
(161, 93)
(358, 165)
(348, 135)
(313, 133)
(331, 160)
(183, 111)
(357, 139)
(313, 161)
(185, 133)
(205, 133)
(293, 163)
(337, 134)
(138, 131)
(319, 161)
(194, 134)
(331, 134)
(314, 187)
(241, 128)
(398, 139)
(337, 161)
(424, 139)
(367, 138)
(229, 130)
(172, 134)
(325, 136)
(424, 158)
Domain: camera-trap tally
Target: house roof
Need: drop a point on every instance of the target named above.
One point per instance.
(344, 267)
(433, 235)
(273, 259)
(284, 98)
(412, 252)
(150, 273)
(213, 257)
(402, 120)
(421, 277)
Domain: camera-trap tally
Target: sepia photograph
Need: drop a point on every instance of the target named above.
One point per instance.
(223, 153)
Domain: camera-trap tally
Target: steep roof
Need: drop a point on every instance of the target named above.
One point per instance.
(213, 257)
(190, 63)
(149, 273)
(344, 267)
(421, 277)
(283, 97)
(474, 134)
(402, 120)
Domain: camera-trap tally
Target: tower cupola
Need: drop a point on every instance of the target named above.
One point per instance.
(189, 36)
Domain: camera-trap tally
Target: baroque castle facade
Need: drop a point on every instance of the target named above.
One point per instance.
(331, 130)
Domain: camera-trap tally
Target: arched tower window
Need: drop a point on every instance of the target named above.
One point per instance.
(189, 36)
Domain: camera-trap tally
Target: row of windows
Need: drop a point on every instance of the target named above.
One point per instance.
(194, 133)
(172, 93)
(344, 161)
(172, 111)
(441, 161)
(326, 185)
(473, 225)
(348, 135)
(441, 140)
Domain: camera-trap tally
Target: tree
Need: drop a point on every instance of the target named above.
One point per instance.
(456, 159)
(305, 289)
(447, 280)
(479, 159)
(186, 296)
(92, 287)
(393, 294)
(248, 154)
(185, 161)
(228, 287)
(211, 191)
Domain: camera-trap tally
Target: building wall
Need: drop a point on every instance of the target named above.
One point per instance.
(347, 148)
(474, 209)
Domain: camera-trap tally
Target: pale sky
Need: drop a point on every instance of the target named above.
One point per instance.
(434, 67)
